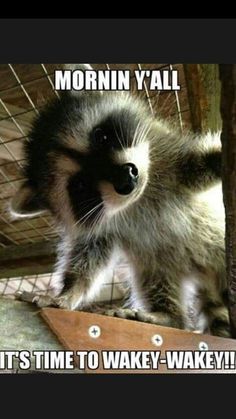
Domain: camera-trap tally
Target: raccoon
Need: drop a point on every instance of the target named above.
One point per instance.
(121, 183)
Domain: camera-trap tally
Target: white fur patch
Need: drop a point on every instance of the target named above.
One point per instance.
(17, 203)
(194, 318)
(210, 140)
(16, 215)
(212, 199)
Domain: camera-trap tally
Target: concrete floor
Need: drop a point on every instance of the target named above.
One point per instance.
(22, 328)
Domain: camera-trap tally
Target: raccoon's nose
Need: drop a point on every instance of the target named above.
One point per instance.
(126, 179)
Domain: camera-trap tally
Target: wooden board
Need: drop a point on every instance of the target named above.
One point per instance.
(72, 330)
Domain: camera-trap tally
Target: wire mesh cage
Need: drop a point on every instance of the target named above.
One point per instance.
(24, 90)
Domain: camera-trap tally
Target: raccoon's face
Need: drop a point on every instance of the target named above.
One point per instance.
(87, 159)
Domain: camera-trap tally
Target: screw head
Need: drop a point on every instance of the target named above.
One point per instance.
(157, 340)
(203, 346)
(94, 331)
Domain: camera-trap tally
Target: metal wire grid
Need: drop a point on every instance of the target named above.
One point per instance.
(41, 285)
(35, 284)
(14, 183)
(40, 228)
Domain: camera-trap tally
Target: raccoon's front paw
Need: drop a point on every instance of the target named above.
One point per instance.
(122, 313)
(158, 318)
(130, 314)
(40, 300)
(66, 301)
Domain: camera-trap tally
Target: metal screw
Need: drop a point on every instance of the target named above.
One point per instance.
(94, 331)
(157, 340)
(203, 346)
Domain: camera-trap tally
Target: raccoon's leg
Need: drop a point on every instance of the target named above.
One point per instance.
(90, 263)
(218, 316)
(219, 325)
(200, 170)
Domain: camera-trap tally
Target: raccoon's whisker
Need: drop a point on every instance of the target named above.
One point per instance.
(87, 203)
(120, 143)
(84, 208)
(136, 134)
(90, 231)
(115, 223)
(122, 146)
(143, 134)
(94, 224)
(99, 221)
(122, 135)
(139, 134)
(86, 220)
(91, 212)
(146, 132)
(122, 213)
(88, 214)
(102, 213)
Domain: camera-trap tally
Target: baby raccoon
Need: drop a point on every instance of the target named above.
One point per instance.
(121, 183)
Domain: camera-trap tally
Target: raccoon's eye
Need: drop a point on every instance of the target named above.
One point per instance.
(100, 136)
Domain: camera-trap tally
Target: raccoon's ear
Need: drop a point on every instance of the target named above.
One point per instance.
(73, 67)
(26, 203)
(82, 67)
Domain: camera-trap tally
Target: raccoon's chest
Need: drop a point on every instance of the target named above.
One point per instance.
(149, 229)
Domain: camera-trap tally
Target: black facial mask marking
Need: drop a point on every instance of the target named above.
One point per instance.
(84, 196)
(112, 133)
(98, 164)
